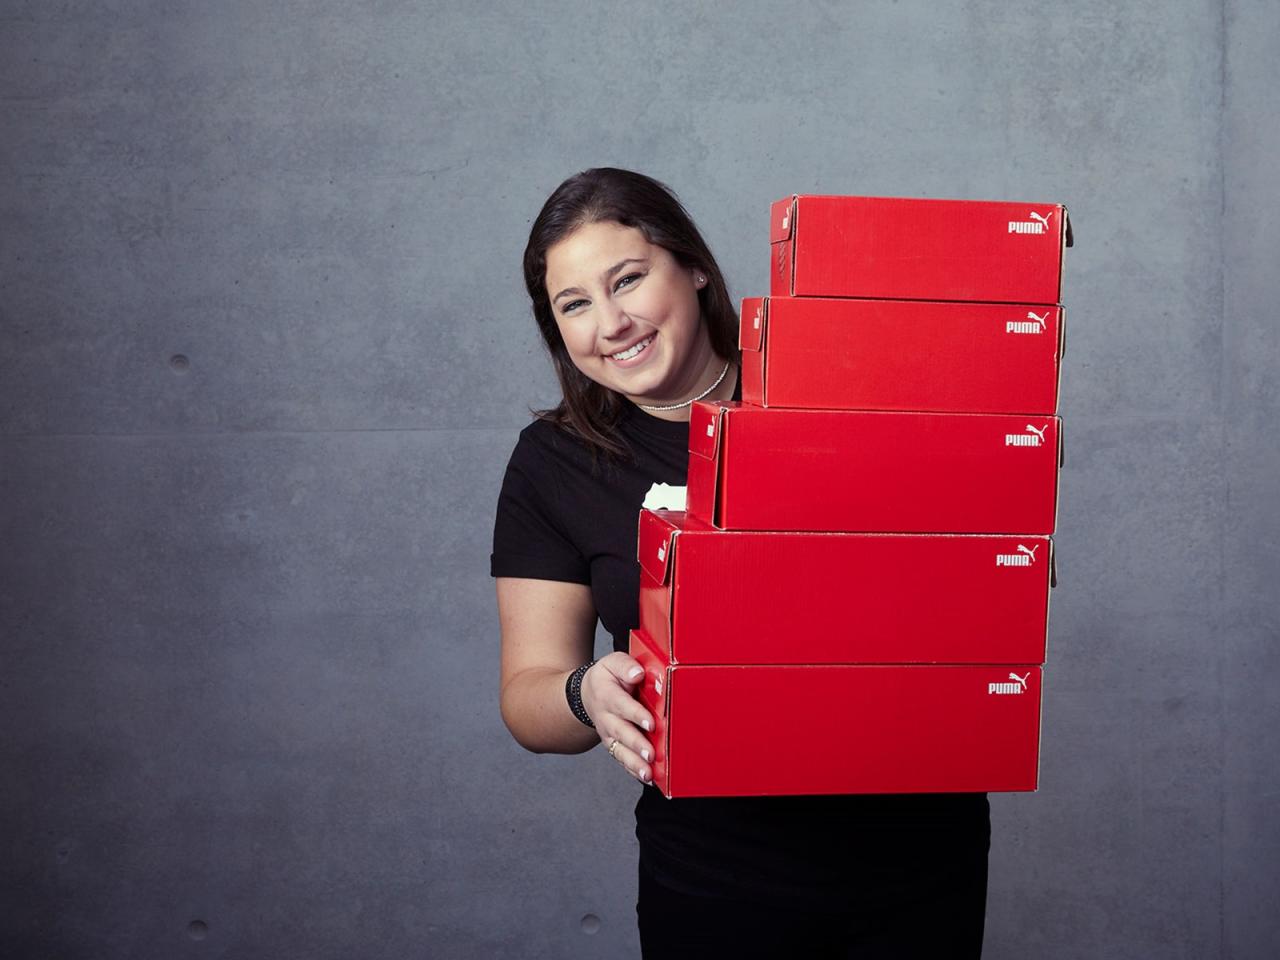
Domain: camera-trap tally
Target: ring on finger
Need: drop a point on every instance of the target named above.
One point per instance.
(614, 746)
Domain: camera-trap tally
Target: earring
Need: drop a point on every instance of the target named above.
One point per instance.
(701, 278)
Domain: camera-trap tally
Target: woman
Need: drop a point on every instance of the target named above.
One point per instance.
(637, 319)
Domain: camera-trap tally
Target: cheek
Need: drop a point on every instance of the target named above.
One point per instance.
(579, 339)
(683, 316)
(665, 307)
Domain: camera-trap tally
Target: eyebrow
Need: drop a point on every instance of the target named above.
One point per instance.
(609, 273)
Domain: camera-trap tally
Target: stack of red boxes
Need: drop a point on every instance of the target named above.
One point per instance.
(856, 599)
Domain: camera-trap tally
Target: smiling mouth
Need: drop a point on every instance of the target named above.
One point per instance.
(634, 350)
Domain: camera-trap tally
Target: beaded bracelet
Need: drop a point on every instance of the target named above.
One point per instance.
(573, 693)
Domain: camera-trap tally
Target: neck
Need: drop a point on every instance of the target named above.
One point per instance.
(723, 391)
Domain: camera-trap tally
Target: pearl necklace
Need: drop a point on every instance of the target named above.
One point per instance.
(690, 402)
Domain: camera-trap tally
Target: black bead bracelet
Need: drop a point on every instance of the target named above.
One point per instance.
(573, 693)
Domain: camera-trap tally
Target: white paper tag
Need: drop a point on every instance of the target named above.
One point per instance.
(663, 496)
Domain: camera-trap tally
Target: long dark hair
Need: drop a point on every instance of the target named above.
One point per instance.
(589, 410)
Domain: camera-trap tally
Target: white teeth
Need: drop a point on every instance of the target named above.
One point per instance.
(628, 354)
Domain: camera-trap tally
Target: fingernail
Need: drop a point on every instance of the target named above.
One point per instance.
(644, 753)
(645, 723)
(635, 672)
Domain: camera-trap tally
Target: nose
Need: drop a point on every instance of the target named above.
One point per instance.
(614, 322)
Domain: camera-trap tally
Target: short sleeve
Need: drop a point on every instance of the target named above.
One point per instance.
(528, 536)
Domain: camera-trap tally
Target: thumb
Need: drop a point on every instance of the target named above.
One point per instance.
(628, 670)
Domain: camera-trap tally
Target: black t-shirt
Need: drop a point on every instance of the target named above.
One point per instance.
(560, 518)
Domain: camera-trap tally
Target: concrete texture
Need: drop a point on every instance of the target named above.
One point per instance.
(264, 351)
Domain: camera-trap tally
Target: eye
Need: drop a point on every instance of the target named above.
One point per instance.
(629, 276)
(570, 305)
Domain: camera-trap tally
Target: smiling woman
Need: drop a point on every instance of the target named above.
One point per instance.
(629, 315)
(612, 260)
(636, 317)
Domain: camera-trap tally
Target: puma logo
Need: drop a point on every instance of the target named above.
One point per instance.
(1025, 557)
(1033, 324)
(1019, 686)
(1036, 439)
(1037, 223)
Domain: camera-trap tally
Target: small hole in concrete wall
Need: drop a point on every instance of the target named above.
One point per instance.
(590, 923)
(197, 929)
(179, 363)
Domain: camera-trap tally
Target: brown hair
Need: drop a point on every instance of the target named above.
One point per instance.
(591, 411)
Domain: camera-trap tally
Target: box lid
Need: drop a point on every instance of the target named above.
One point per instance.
(706, 423)
(656, 540)
(655, 543)
(751, 327)
(782, 216)
(758, 493)
(781, 219)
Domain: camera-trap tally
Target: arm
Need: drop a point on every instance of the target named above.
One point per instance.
(548, 631)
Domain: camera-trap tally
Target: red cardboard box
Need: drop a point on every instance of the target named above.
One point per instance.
(752, 468)
(902, 248)
(839, 728)
(745, 597)
(900, 355)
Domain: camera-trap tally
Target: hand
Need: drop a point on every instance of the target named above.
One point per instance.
(608, 696)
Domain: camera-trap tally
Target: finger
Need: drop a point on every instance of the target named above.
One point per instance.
(629, 711)
(606, 688)
(634, 760)
(629, 739)
(640, 717)
(624, 667)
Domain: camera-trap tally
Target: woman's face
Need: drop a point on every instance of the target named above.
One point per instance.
(628, 312)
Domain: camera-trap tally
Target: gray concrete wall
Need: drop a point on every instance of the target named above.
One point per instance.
(264, 351)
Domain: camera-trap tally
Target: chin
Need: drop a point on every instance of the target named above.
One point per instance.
(629, 382)
(647, 389)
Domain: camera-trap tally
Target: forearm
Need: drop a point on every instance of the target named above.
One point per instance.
(536, 712)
